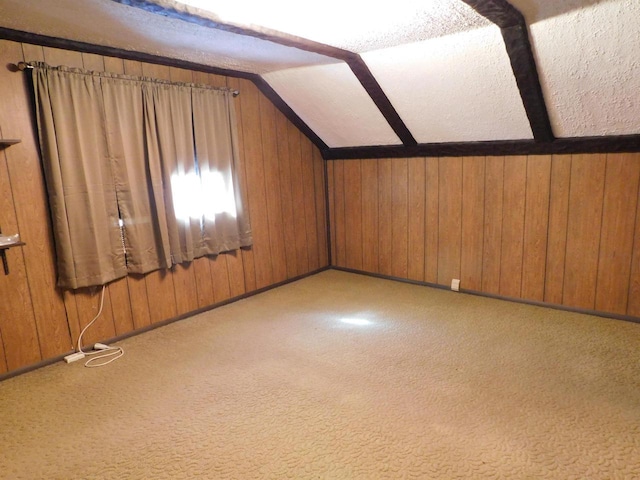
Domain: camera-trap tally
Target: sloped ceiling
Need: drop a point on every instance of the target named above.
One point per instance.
(439, 77)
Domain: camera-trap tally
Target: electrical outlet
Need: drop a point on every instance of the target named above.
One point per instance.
(455, 285)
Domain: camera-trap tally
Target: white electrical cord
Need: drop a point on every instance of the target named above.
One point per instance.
(115, 352)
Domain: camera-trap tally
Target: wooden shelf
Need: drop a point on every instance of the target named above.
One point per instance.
(7, 142)
(11, 245)
(3, 254)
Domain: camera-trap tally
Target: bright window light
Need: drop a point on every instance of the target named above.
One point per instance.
(205, 195)
(361, 322)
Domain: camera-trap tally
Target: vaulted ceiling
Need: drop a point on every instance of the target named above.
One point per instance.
(439, 77)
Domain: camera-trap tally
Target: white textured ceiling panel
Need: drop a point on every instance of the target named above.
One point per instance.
(331, 101)
(107, 23)
(453, 89)
(358, 26)
(589, 65)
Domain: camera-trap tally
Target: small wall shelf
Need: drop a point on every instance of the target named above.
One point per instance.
(7, 142)
(3, 249)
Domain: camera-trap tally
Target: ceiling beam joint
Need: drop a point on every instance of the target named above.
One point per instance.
(516, 40)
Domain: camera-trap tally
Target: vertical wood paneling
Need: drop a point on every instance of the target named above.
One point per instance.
(288, 214)
(235, 267)
(385, 216)
(246, 254)
(585, 221)
(16, 312)
(321, 207)
(29, 196)
(3, 358)
(616, 239)
(633, 306)
(370, 252)
(493, 206)
(417, 188)
(306, 151)
(121, 306)
(558, 216)
(297, 195)
(353, 211)
(449, 219)
(37, 321)
(473, 174)
(515, 181)
(332, 210)
(91, 61)
(88, 302)
(272, 189)
(220, 278)
(255, 183)
(339, 207)
(536, 222)
(432, 214)
(399, 221)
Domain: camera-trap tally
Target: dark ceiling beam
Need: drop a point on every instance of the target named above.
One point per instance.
(605, 144)
(47, 41)
(355, 62)
(264, 87)
(281, 105)
(516, 40)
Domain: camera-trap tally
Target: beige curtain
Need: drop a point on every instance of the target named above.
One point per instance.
(169, 130)
(141, 174)
(79, 179)
(225, 224)
(138, 177)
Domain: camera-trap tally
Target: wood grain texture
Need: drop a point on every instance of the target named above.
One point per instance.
(332, 211)
(473, 172)
(492, 249)
(416, 217)
(618, 229)
(256, 190)
(308, 182)
(432, 214)
(321, 207)
(385, 217)
(370, 252)
(584, 223)
(38, 321)
(449, 219)
(536, 224)
(272, 190)
(515, 180)
(353, 211)
(633, 304)
(339, 209)
(288, 215)
(297, 193)
(557, 236)
(399, 218)
(511, 226)
(30, 200)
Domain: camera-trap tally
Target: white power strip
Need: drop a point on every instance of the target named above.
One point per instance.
(74, 357)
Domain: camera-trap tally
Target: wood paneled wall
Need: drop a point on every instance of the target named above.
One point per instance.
(562, 230)
(284, 176)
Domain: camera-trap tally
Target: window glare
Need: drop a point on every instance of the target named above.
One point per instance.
(205, 195)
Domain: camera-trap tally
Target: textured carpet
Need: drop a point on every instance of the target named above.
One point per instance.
(341, 376)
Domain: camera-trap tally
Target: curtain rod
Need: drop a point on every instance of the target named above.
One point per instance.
(22, 66)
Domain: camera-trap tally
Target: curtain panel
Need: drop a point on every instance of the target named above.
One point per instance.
(141, 174)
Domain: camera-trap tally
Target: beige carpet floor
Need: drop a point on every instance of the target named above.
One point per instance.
(341, 376)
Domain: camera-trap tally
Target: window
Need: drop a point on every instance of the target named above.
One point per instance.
(148, 164)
